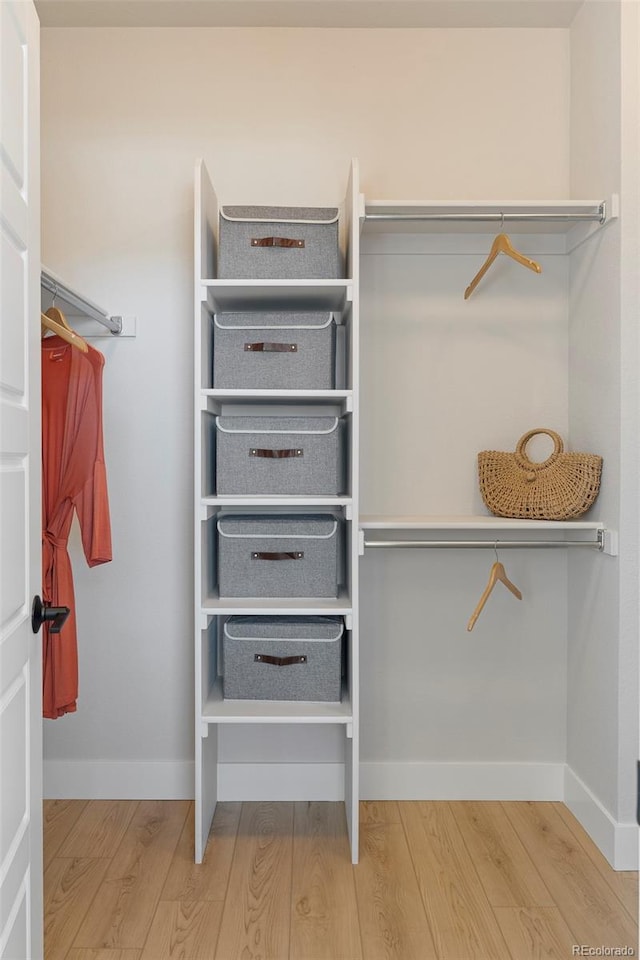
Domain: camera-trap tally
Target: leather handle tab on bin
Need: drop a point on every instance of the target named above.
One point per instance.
(287, 555)
(271, 347)
(276, 242)
(270, 454)
(279, 661)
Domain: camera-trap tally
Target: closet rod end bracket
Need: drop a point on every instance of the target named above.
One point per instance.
(610, 209)
(608, 542)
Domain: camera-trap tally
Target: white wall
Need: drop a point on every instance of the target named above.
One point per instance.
(603, 635)
(443, 378)
(628, 674)
(277, 114)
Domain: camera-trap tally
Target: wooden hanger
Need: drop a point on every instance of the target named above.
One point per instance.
(55, 321)
(501, 244)
(497, 573)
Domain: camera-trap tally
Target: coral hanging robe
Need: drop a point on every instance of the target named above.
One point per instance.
(73, 478)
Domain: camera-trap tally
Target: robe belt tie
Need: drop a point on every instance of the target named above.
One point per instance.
(50, 544)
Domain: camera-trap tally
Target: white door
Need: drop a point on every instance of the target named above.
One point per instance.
(20, 493)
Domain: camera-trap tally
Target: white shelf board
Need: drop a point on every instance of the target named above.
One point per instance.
(218, 710)
(275, 501)
(212, 399)
(481, 522)
(284, 607)
(277, 294)
(491, 210)
(275, 396)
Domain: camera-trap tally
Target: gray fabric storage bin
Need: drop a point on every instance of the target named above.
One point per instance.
(282, 658)
(270, 351)
(279, 456)
(278, 556)
(263, 243)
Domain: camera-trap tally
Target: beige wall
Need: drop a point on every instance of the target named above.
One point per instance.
(277, 114)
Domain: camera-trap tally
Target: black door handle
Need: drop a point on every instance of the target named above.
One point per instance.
(44, 613)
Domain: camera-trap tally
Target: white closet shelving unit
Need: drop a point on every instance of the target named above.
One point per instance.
(560, 226)
(211, 295)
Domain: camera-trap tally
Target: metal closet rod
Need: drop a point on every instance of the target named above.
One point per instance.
(599, 217)
(89, 309)
(598, 543)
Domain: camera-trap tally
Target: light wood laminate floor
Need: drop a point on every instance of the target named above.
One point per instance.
(436, 881)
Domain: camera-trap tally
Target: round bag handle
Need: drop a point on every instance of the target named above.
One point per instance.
(524, 460)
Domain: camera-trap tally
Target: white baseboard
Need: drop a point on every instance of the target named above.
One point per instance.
(617, 841)
(118, 780)
(461, 781)
(174, 780)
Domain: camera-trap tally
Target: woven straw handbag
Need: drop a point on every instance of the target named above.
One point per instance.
(563, 486)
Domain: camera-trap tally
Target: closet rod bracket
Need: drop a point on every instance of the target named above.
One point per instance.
(608, 542)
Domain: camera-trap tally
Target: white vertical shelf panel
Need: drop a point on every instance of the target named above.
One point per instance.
(206, 794)
(206, 227)
(352, 744)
